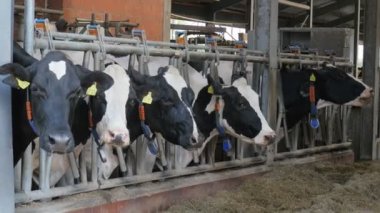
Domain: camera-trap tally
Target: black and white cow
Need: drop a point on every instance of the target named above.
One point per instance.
(54, 84)
(332, 86)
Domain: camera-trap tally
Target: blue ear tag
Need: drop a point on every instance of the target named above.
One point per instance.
(314, 123)
(152, 147)
(227, 145)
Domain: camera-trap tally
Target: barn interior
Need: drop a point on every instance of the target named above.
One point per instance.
(258, 38)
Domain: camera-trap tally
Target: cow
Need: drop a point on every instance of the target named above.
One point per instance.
(53, 85)
(332, 86)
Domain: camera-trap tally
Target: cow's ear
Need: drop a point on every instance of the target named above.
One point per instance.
(136, 78)
(19, 77)
(93, 82)
(187, 96)
(214, 86)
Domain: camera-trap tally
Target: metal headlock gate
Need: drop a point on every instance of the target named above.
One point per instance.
(96, 45)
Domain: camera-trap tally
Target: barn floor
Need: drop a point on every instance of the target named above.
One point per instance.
(319, 187)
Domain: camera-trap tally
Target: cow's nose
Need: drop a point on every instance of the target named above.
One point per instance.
(270, 136)
(194, 140)
(60, 139)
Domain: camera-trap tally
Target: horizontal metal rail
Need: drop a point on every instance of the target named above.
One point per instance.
(80, 188)
(313, 150)
(40, 9)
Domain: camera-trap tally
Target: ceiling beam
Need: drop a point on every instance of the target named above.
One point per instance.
(324, 10)
(340, 20)
(193, 11)
(220, 5)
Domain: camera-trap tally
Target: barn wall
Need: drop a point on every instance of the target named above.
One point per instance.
(148, 13)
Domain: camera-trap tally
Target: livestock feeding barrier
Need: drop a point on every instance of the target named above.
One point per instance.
(96, 46)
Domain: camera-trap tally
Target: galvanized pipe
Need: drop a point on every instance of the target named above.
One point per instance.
(314, 150)
(29, 25)
(123, 166)
(27, 169)
(74, 166)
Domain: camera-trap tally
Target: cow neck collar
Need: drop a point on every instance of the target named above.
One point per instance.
(314, 122)
(95, 135)
(145, 128)
(29, 114)
(219, 126)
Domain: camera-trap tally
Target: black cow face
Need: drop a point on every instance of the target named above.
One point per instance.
(55, 86)
(169, 113)
(339, 87)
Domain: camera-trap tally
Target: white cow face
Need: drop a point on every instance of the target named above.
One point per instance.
(108, 109)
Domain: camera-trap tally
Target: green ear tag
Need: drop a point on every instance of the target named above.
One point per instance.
(148, 98)
(313, 78)
(210, 90)
(92, 90)
(22, 84)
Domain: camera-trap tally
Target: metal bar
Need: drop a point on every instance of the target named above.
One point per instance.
(18, 176)
(27, 169)
(40, 9)
(314, 150)
(251, 17)
(29, 25)
(43, 159)
(94, 160)
(6, 151)
(294, 4)
(176, 173)
(127, 49)
(54, 192)
(311, 13)
(74, 166)
(83, 168)
(123, 166)
(356, 35)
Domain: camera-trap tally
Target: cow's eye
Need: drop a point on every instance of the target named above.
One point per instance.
(74, 94)
(38, 91)
(241, 104)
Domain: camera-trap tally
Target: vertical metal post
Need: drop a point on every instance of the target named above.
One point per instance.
(6, 151)
(166, 24)
(356, 36)
(311, 13)
(29, 48)
(29, 25)
(266, 40)
(364, 142)
(251, 17)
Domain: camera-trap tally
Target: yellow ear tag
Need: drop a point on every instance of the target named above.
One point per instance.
(313, 78)
(210, 90)
(22, 84)
(91, 91)
(148, 98)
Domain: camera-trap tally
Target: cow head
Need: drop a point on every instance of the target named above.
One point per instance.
(55, 85)
(108, 108)
(241, 112)
(169, 112)
(338, 87)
